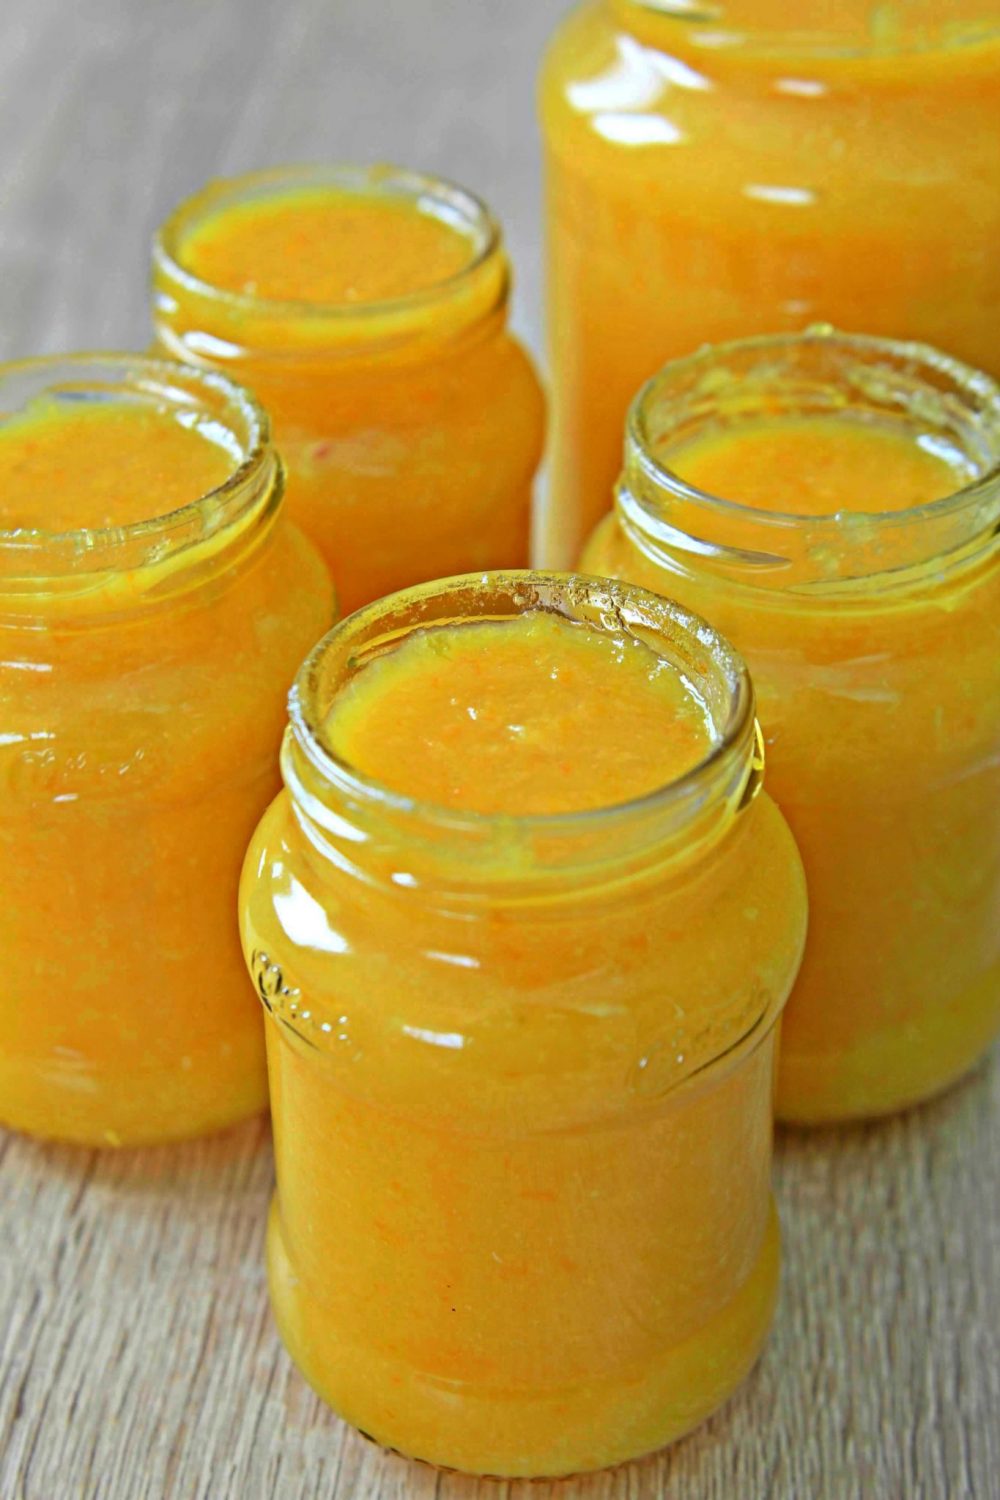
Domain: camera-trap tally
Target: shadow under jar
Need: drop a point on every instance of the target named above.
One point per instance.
(521, 1067)
(143, 672)
(723, 168)
(366, 307)
(873, 636)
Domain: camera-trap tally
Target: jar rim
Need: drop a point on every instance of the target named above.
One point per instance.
(884, 40)
(457, 202)
(648, 479)
(38, 553)
(510, 593)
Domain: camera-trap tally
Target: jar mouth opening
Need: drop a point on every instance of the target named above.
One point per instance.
(442, 199)
(819, 372)
(504, 595)
(37, 550)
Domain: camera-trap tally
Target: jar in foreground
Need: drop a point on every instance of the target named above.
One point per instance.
(367, 309)
(143, 672)
(738, 167)
(521, 1066)
(874, 639)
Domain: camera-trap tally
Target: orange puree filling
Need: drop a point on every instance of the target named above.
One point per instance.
(326, 245)
(73, 465)
(817, 466)
(526, 716)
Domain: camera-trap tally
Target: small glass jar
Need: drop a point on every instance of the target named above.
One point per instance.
(411, 429)
(722, 168)
(874, 640)
(143, 671)
(521, 1073)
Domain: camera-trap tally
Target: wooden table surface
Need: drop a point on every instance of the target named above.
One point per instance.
(138, 1360)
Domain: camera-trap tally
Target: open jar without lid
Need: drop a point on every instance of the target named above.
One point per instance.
(874, 638)
(521, 1066)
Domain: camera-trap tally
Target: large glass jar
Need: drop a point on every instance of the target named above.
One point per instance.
(720, 168)
(410, 428)
(521, 1073)
(143, 673)
(874, 640)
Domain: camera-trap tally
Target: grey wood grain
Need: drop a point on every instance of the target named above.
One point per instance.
(113, 110)
(137, 1356)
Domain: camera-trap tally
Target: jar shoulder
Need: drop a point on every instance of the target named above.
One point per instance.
(326, 914)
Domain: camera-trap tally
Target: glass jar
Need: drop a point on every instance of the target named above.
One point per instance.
(713, 173)
(521, 1073)
(411, 428)
(874, 640)
(143, 673)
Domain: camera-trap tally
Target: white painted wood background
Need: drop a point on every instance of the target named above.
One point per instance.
(137, 1356)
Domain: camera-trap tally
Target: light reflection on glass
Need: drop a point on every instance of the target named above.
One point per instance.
(624, 86)
(688, 10)
(637, 130)
(680, 74)
(453, 1039)
(460, 960)
(211, 347)
(637, 80)
(14, 737)
(717, 40)
(802, 88)
(305, 922)
(776, 193)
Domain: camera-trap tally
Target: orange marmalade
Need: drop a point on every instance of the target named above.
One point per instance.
(523, 930)
(153, 604)
(366, 307)
(741, 167)
(832, 504)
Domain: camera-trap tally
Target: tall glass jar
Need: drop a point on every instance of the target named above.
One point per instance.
(143, 671)
(874, 640)
(521, 1073)
(410, 428)
(720, 168)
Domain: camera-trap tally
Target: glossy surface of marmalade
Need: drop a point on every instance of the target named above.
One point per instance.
(153, 605)
(500, 718)
(366, 307)
(521, 1055)
(874, 639)
(93, 464)
(745, 167)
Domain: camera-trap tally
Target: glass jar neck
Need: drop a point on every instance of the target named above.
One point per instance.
(366, 829)
(100, 576)
(811, 29)
(813, 374)
(201, 323)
